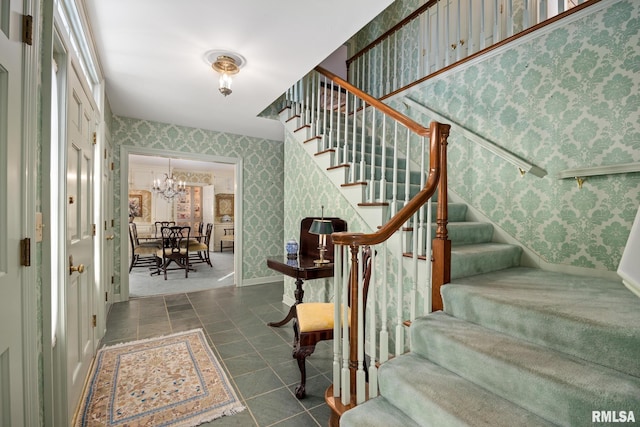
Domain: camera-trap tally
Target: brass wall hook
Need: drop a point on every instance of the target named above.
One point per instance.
(580, 180)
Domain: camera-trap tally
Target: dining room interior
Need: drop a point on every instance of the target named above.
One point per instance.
(180, 192)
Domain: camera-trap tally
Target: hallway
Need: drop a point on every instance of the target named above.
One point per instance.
(256, 358)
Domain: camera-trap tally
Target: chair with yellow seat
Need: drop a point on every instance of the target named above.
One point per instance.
(314, 323)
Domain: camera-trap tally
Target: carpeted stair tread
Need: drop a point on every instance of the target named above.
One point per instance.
(469, 260)
(376, 412)
(467, 232)
(434, 396)
(560, 388)
(591, 318)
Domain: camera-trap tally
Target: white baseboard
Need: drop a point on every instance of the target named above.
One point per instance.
(261, 280)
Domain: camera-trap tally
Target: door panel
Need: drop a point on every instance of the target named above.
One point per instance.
(80, 304)
(11, 368)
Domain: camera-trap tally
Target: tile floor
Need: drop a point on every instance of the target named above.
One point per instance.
(256, 357)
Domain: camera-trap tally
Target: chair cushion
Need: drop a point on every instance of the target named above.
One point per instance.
(315, 316)
(145, 250)
(168, 252)
(197, 246)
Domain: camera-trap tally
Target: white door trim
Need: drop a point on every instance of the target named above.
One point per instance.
(29, 179)
(125, 150)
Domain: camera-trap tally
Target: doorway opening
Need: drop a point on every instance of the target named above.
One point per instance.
(206, 193)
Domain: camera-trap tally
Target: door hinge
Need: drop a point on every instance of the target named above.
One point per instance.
(113, 279)
(94, 229)
(25, 252)
(105, 153)
(112, 222)
(112, 166)
(27, 29)
(106, 295)
(95, 138)
(94, 321)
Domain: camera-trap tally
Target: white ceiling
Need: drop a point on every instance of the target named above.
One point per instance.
(152, 55)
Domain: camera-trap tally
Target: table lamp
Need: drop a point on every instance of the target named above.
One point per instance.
(322, 228)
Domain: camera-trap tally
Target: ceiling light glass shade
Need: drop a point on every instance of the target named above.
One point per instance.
(225, 84)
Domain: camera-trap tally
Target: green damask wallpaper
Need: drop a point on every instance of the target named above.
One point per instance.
(566, 98)
(263, 176)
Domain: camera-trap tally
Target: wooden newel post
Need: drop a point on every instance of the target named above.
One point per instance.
(441, 247)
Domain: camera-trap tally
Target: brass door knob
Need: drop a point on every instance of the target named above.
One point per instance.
(110, 237)
(79, 268)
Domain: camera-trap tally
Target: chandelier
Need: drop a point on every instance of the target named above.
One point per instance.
(169, 188)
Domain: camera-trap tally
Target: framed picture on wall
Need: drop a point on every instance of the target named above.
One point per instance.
(224, 204)
(135, 205)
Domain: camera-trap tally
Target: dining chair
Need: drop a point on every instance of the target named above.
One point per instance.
(158, 226)
(173, 250)
(143, 254)
(199, 249)
(228, 237)
(314, 323)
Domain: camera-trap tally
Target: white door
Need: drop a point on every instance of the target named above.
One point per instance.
(11, 386)
(79, 302)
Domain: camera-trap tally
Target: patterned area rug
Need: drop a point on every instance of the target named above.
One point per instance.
(173, 380)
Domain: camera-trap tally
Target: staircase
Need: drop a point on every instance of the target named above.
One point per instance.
(516, 347)
(513, 346)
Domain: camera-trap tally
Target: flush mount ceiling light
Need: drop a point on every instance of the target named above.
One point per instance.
(227, 64)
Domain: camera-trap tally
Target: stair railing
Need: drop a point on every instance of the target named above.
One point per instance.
(442, 32)
(359, 133)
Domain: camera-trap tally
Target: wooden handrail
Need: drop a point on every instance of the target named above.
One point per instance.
(374, 102)
(437, 146)
(392, 30)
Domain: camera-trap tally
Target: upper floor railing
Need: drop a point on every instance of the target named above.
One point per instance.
(443, 32)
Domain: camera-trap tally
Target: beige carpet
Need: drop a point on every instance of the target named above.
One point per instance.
(173, 380)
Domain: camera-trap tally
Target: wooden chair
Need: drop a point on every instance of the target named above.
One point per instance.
(228, 237)
(199, 250)
(157, 227)
(314, 323)
(173, 249)
(143, 254)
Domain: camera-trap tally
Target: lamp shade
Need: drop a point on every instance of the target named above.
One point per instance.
(321, 226)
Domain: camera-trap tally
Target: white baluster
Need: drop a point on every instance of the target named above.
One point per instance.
(388, 88)
(307, 101)
(363, 140)
(395, 61)
(324, 112)
(383, 168)
(482, 25)
(402, 56)
(345, 146)
(399, 297)
(360, 375)
(447, 35)
(437, 60)
(336, 143)
(354, 149)
(394, 187)
(331, 114)
(384, 328)
(318, 131)
(526, 15)
(372, 303)
(427, 294)
(458, 33)
(497, 35)
(381, 82)
(337, 303)
(407, 169)
(414, 267)
(471, 44)
(509, 31)
(372, 168)
(423, 174)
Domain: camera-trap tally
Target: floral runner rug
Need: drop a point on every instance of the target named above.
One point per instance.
(174, 380)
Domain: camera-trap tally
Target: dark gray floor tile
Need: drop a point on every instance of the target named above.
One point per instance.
(321, 414)
(244, 364)
(258, 382)
(237, 348)
(315, 388)
(301, 420)
(274, 406)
